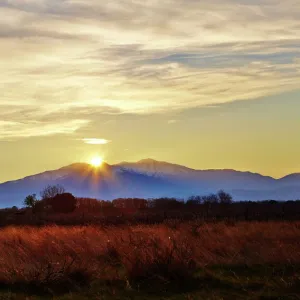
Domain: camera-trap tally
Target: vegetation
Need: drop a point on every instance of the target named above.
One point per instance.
(61, 203)
(65, 209)
(30, 201)
(187, 260)
(207, 247)
(51, 191)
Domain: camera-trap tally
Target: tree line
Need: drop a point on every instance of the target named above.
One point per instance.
(56, 197)
(57, 206)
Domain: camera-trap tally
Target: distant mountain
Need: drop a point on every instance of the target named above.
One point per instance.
(107, 182)
(154, 167)
(149, 178)
(206, 179)
(292, 179)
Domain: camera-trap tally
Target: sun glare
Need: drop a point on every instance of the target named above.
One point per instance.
(96, 161)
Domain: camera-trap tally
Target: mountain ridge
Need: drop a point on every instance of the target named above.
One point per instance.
(150, 178)
(192, 169)
(157, 161)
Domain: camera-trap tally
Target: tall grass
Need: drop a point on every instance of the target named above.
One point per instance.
(166, 252)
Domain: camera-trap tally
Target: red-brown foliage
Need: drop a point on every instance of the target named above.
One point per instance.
(62, 203)
(164, 252)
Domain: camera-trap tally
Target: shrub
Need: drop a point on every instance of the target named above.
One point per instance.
(63, 203)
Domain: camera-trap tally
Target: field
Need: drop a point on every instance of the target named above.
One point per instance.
(172, 260)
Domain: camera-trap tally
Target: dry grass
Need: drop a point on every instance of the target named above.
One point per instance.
(167, 252)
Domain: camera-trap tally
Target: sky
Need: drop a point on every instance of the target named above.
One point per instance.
(207, 84)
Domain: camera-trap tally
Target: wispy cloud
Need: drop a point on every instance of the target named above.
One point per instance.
(94, 141)
(10, 130)
(140, 57)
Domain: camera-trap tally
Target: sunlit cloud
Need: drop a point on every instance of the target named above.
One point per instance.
(139, 57)
(10, 130)
(95, 141)
(172, 121)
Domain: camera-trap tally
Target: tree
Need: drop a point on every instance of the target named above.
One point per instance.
(136, 203)
(167, 203)
(210, 199)
(194, 201)
(51, 191)
(63, 203)
(224, 197)
(209, 202)
(30, 201)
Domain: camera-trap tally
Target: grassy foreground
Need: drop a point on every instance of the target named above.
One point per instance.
(169, 261)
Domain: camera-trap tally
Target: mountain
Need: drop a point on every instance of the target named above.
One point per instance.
(206, 179)
(154, 167)
(149, 178)
(292, 179)
(107, 182)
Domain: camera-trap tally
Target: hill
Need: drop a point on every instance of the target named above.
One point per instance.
(149, 178)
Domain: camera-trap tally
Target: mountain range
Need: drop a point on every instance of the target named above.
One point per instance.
(149, 178)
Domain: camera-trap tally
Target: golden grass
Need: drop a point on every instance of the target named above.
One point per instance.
(63, 254)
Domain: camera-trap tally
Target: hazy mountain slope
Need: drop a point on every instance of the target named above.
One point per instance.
(149, 178)
(283, 193)
(204, 178)
(109, 182)
(292, 179)
(154, 167)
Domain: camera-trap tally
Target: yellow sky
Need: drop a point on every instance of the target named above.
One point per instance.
(206, 84)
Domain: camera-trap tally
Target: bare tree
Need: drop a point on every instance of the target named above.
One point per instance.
(51, 191)
(210, 199)
(224, 197)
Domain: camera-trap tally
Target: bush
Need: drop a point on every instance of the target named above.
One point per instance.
(63, 203)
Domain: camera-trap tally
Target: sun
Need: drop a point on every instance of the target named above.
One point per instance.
(96, 161)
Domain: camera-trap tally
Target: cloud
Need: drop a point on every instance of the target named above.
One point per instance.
(94, 141)
(74, 57)
(15, 130)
